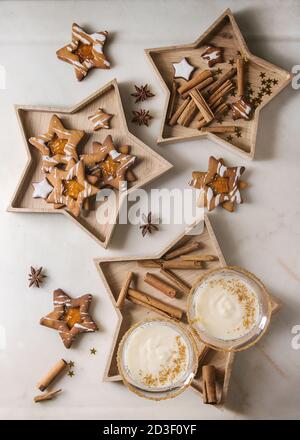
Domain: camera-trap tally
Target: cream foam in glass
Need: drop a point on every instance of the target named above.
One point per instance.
(229, 308)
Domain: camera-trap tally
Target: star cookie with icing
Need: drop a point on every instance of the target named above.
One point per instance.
(112, 166)
(100, 119)
(85, 51)
(70, 316)
(220, 185)
(42, 189)
(58, 146)
(70, 188)
(183, 69)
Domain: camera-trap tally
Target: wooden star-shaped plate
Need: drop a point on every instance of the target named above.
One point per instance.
(263, 81)
(113, 273)
(35, 120)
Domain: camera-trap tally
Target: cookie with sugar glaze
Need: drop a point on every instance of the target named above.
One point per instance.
(70, 316)
(85, 51)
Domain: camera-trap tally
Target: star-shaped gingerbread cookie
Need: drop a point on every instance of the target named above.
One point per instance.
(111, 165)
(85, 51)
(100, 119)
(70, 188)
(58, 145)
(220, 185)
(70, 316)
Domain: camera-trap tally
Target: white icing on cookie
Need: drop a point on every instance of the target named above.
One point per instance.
(183, 69)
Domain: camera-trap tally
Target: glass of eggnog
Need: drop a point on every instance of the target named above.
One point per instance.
(157, 358)
(229, 309)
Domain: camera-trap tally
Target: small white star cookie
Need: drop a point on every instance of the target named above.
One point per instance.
(41, 189)
(183, 69)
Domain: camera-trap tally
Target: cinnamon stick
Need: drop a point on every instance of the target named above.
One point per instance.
(159, 284)
(221, 108)
(227, 75)
(199, 257)
(172, 100)
(151, 264)
(46, 396)
(181, 264)
(179, 112)
(209, 384)
(149, 307)
(219, 129)
(146, 299)
(196, 80)
(202, 353)
(182, 250)
(181, 285)
(220, 92)
(124, 290)
(240, 76)
(199, 87)
(202, 105)
(52, 374)
(188, 114)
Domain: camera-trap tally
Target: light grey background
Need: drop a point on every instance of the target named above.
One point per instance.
(262, 236)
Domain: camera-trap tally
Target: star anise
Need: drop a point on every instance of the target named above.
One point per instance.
(148, 226)
(141, 117)
(35, 277)
(142, 93)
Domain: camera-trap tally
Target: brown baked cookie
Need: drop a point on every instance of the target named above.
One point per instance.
(70, 188)
(85, 51)
(109, 164)
(220, 185)
(58, 146)
(70, 316)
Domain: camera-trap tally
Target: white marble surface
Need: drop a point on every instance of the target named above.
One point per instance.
(263, 235)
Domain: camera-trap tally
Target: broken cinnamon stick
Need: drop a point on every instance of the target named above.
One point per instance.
(227, 75)
(209, 384)
(52, 374)
(179, 112)
(146, 299)
(160, 285)
(202, 105)
(196, 80)
(199, 257)
(188, 114)
(181, 264)
(124, 290)
(182, 250)
(219, 129)
(240, 76)
(46, 396)
(172, 100)
(181, 285)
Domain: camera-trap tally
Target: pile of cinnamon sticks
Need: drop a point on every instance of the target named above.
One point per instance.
(202, 98)
(167, 283)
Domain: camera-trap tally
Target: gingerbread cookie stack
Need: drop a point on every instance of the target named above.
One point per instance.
(71, 180)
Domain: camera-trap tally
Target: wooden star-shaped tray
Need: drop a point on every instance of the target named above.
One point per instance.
(35, 121)
(263, 81)
(113, 272)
